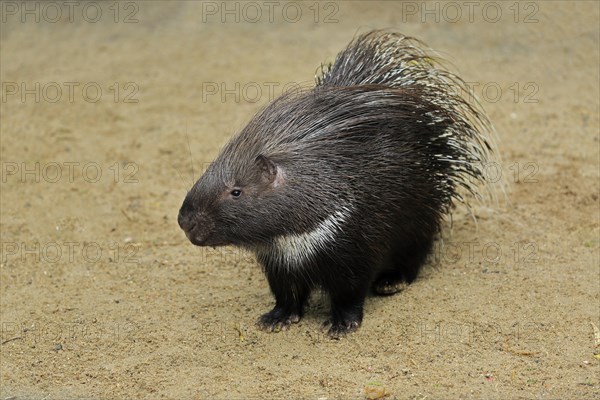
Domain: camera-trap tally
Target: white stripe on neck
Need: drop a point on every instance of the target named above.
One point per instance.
(295, 249)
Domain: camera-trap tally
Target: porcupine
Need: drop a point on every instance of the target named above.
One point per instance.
(344, 186)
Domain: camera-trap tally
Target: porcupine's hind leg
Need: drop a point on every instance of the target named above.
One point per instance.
(405, 264)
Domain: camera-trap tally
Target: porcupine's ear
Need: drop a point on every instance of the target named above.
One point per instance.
(270, 172)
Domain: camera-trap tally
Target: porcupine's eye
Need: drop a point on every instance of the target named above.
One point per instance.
(236, 193)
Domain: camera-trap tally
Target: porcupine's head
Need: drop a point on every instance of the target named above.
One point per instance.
(258, 187)
(226, 206)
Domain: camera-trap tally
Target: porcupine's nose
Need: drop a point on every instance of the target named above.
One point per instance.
(192, 230)
(186, 223)
(186, 219)
(196, 225)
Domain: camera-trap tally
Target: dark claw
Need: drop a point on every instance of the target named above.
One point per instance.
(339, 329)
(276, 320)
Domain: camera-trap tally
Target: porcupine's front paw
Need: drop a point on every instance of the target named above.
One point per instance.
(277, 320)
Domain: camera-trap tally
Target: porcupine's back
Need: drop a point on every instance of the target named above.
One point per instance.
(458, 142)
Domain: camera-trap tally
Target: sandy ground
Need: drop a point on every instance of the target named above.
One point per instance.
(103, 296)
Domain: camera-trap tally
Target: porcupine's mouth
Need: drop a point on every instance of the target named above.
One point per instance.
(197, 240)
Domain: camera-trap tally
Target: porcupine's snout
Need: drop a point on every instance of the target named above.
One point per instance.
(198, 227)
